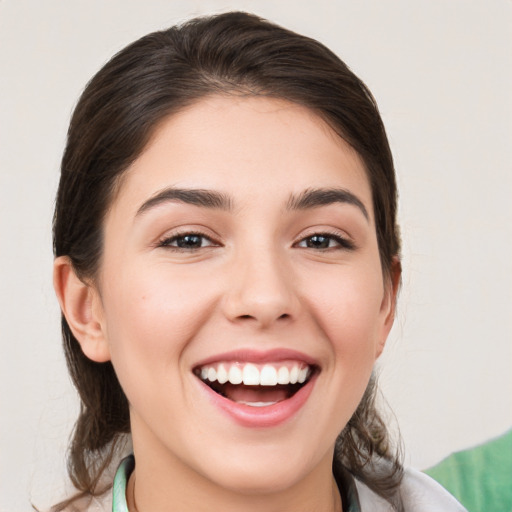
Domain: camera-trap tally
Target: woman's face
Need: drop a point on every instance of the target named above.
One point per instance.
(241, 247)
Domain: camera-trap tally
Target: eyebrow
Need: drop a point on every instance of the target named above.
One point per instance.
(314, 198)
(197, 197)
(310, 198)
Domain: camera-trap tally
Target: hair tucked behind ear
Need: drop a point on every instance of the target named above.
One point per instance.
(157, 76)
(102, 422)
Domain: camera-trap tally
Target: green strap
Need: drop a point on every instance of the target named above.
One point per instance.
(120, 481)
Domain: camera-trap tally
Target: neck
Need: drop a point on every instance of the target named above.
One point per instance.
(140, 498)
(162, 483)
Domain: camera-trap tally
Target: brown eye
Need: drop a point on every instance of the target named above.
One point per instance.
(187, 241)
(325, 241)
(318, 242)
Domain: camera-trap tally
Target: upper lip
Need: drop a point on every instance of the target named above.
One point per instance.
(258, 356)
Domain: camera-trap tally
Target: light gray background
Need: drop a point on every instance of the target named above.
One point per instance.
(441, 72)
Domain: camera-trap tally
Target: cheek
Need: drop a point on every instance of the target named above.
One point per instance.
(347, 306)
(151, 317)
(156, 303)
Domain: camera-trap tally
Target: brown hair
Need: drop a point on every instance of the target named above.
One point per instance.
(154, 77)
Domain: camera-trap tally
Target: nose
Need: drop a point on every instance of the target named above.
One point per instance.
(261, 291)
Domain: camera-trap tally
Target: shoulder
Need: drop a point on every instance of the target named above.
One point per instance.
(481, 474)
(419, 493)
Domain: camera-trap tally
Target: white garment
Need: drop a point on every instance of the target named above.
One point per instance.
(419, 493)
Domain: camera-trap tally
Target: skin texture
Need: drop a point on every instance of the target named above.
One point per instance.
(255, 283)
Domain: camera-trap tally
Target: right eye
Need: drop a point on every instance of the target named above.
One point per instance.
(187, 242)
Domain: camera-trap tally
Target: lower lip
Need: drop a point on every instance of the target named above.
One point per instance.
(261, 417)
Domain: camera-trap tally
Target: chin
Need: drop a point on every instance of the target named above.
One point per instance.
(262, 479)
(264, 470)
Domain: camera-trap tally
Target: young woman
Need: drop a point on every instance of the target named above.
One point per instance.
(227, 264)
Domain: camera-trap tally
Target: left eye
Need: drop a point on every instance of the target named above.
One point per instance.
(325, 241)
(188, 241)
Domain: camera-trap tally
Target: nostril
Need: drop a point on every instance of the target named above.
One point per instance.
(284, 316)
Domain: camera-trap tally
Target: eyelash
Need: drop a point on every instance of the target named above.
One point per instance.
(341, 242)
(166, 242)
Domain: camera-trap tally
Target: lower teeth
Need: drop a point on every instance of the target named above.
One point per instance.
(257, 404)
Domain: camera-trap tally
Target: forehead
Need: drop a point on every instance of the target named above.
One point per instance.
(245, 146)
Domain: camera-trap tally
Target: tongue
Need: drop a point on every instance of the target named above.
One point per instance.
(241, 393)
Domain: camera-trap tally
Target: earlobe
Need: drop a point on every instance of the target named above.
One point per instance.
(388, 307)
(81, 305)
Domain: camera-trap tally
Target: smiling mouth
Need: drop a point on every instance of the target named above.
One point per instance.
(256, 385)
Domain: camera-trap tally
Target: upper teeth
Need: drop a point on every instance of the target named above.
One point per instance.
(256, 375)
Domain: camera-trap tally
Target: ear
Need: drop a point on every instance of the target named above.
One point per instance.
(388, 306)
(81, 305)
